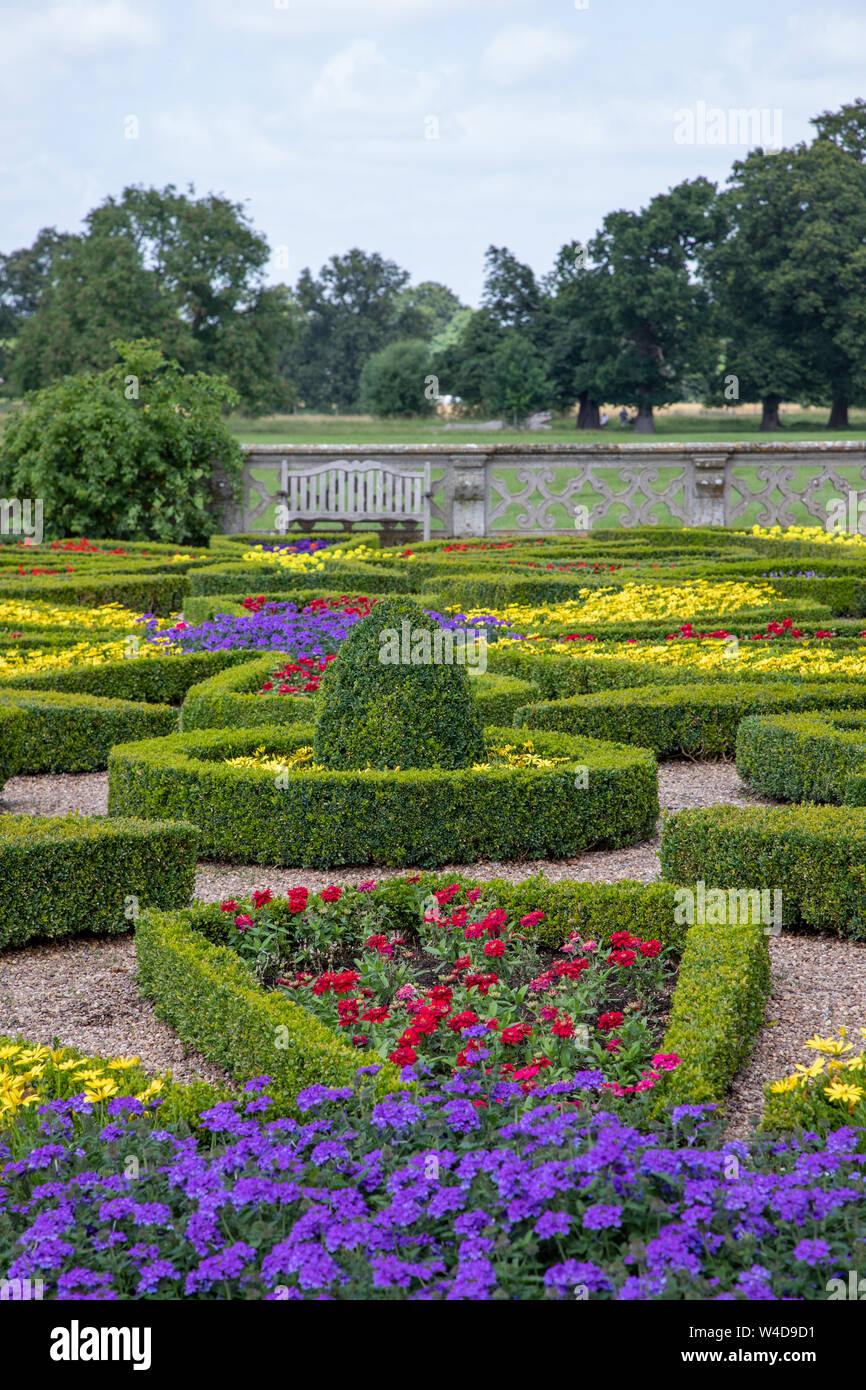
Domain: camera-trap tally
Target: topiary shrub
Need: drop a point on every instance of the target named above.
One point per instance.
(387, 702)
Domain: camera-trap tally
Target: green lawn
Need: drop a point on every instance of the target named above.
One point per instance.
(669, 429)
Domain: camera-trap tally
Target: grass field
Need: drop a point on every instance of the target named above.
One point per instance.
(679, 424)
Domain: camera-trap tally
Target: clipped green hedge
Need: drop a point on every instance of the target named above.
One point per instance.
(63, 875)
(253, 578)
(815, 855)
(424, 816)
(160, 593)
(805, 757)
(700, 720)
(203, 608)
(156, 679)
(61, 732)
(717, 1009)
(206, 994)
(12, 725)
(233, 699)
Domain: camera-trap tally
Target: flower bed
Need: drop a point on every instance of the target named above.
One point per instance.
(464, 1197)
(190, 966)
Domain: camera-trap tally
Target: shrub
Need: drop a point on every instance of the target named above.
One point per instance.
(159, 593)
(73, 733)
(422, 816)
(343, 578)
(816, 856)
(136, 463)
(394, 713)
(805, 757)
(696, 719)
(63, 875)
(393, 380)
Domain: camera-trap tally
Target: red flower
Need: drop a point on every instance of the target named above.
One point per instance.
(297, 899)
(461, 1021)
(375, 1015)
(650, 948)
(611, 1020)
(515, 1034)
(242, 921)
(331, 895)
(563, 1028)
(414, 878)
(531, 918)
(445, 895)
(473, 931)
(403, 1056)
(262, 896)
(571, 969)
(494, 948)
(359, 1040)
(379, 943)
(623, 958)
(613, 1044)
(229, 905)
(494, 920)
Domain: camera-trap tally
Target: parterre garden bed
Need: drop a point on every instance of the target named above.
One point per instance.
(473, 1090)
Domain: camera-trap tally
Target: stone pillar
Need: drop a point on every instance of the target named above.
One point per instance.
(466, 497)
(708, 490)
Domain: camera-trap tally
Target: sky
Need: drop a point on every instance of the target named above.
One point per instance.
(422, 129)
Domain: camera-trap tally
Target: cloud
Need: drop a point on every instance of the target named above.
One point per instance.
(360, 80)
(231, 138)
(292, 17)
(522, 52)
(76, 27)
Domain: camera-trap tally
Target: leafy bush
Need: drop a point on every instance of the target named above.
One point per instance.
(156, 679)
(63, 875)
(395, 713)
(393, 380)
(73, 732)
(129, 450)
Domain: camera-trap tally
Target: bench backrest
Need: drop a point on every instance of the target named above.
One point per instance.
(354, 491)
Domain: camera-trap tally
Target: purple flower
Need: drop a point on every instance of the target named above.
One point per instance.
(599, 1217)
(552, 1223)
(812, 1252)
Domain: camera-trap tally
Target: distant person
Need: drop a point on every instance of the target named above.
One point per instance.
(623, 418)
(604, 418)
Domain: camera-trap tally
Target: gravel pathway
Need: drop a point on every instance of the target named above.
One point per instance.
(83, 993)
(819, 982)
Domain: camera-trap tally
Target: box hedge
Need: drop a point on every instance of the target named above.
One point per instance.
(60, 732)
(64, 875)
(805, 757)
(699, 720)
(156, 679)
(161, 593)
(424, 816)
(255, 578)
(815, 855)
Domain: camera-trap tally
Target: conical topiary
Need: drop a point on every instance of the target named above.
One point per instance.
(387, 701)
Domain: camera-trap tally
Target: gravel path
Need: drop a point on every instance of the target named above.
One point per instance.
(83, 993)
(819, 982)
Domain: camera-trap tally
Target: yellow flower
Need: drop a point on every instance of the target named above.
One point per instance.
(150, 1091)
(813, 535)
(101, 1090)
(844, 1092)
(790, 1083)
(831, 1047)
(9, 1050)
(122, 1063)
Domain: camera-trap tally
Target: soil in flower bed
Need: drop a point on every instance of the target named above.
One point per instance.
(461, 984)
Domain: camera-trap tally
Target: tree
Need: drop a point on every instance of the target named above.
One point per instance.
(788, 278)
(512, 295)
(572, 293)
(128, 452)
(845, 128)
(517, 380)
(393, 381)
(160, 264)
(647, 328)
(351, 310)
(464, 367)
(435, 305)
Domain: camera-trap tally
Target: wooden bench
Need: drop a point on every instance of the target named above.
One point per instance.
(351, 491)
